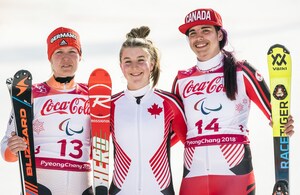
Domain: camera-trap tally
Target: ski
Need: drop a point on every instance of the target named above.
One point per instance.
(20, 92)
(99, 98)
(280, 68)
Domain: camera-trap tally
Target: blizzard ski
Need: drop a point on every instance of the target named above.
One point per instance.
(20, 91)
(280, 68)
(99, 98)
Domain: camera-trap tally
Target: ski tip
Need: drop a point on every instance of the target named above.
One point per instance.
(100, 71)
(278, 46)
(99, 74)
(23, 73)
(9, 81)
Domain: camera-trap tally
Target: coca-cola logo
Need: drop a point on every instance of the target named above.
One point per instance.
(192, 88)
(75, 106)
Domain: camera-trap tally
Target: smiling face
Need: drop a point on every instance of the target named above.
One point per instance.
(64, 61)
(204, 41)
(136, 66)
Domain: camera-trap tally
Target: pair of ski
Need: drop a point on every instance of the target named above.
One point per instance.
(99, 97)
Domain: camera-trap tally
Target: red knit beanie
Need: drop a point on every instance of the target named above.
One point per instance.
(62, 37)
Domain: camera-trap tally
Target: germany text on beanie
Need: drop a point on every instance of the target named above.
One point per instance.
(61, 37)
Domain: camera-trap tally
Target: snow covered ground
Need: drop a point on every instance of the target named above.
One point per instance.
(253, 26)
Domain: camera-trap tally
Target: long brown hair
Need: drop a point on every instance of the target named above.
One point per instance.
(230, 64)
(137, 37)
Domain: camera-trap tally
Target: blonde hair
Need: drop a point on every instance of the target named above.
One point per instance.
(137, 37)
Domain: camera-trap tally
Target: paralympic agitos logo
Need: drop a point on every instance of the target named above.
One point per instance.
(65, 126)
(204, 109)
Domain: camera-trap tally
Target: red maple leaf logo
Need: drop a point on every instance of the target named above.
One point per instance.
(155, 110)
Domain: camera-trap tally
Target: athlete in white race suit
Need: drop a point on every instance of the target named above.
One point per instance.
(141, 134)
(143, 122)
(61, 123)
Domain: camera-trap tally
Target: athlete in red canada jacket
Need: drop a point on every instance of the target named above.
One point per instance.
(216, 94)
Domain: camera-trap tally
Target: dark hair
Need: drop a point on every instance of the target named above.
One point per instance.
(230, 63)
(137, 37)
